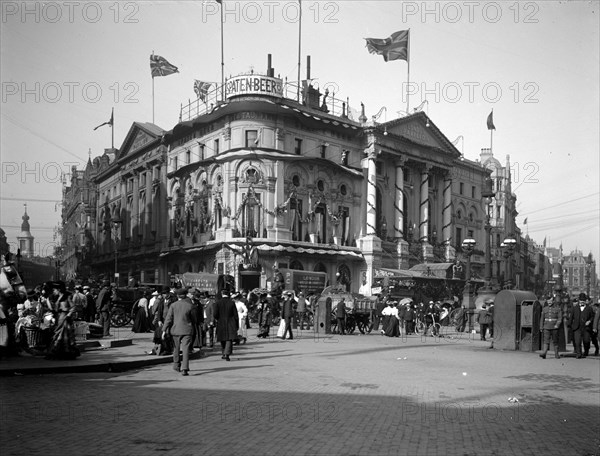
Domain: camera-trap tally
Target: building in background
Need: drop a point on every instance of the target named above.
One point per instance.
(260, 175)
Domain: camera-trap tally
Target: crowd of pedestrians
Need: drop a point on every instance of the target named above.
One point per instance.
(183, 319)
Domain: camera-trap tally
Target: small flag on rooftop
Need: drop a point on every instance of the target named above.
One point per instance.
(110, 121)
(490, 121)
(159, 66)
(201, 89)
(393, 48)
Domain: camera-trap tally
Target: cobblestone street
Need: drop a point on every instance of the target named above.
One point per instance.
(360, 394)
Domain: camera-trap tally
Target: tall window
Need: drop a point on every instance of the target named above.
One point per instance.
(321, 223)
(251, 138)
(295, 215)
(473, 191)
(188, 157)
(216, 147)
(459, 237)
(461, 188)
(344, 227)
(298, 146)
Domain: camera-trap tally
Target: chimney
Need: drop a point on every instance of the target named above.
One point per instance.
(308, 67)
(270, 70)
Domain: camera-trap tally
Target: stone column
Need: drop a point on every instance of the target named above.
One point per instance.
(149, 204)
(402, 247)
(399, 202)
(424, 214)
(135, 209)
(447, 218)
(371, 196)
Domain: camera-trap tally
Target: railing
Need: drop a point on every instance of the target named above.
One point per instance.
(215, 96)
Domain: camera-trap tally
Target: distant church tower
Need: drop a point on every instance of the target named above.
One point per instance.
(25, 239)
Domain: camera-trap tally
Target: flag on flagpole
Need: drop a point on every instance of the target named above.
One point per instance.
(110, 122)
(201, 89)
(420, 107)
(160, 67)
(544, 244)
(490, 121)
(393, 48)
(525, 221)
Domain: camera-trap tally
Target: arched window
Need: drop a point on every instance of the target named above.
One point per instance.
(296, 265)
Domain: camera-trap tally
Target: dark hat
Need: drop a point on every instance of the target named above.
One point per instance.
(31, 293)
(105, 283)
(582, 297)
(181, 291)
(165, 289)
(224, 292)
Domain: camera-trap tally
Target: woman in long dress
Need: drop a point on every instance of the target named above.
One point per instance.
(392, 320)
(63, 343)
(264, 317)
(141, 324)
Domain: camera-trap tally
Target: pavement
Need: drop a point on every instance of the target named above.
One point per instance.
(313, 395)
(123, 350)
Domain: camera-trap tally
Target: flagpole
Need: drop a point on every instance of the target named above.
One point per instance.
(112, 128)
(299, 47)
(492, 133)
(152, 99)
(408, 76)
(222, 57)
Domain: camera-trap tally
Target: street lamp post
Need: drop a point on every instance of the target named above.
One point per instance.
(508, 247)
(115, 224)
(589, 263)
(487, 194)
(468, 246)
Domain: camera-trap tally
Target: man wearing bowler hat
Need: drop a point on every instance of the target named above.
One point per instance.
(226, 316)
(581, 323)
(181, 323)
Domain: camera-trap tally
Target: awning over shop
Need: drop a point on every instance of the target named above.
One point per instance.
(388, 272)
(439, 270)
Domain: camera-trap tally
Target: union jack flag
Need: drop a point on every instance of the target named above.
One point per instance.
(160, 67)
(393, 48)
(201, 89)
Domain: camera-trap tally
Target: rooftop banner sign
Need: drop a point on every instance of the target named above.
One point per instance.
(253, 85)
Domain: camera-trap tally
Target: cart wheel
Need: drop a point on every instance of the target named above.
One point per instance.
(419, 327)
(350, 325)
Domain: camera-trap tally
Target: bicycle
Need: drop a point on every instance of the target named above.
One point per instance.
(420, 327)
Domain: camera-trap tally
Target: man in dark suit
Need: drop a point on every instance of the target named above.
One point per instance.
(340, 315)
(226, 315)
(581, 323)
(376, 314)
(209, 318)
(180, 323)
(287, 312)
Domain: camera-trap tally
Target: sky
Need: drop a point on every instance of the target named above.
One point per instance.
(65, 65)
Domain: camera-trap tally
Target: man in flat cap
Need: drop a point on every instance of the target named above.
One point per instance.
(181, 323)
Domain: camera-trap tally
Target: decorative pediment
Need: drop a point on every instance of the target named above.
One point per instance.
(139, 137)
(420, 129)
(417, 132)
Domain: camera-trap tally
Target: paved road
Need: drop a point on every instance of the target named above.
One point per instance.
(340, 395)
